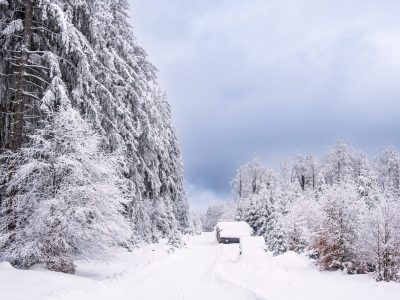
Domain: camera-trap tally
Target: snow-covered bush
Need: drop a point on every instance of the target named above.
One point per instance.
(340, 210)
(338, 239)
(302, 222)
(381, 238)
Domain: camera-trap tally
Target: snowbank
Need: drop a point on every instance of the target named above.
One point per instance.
(293, 276)
(252, 247)
(39, 283)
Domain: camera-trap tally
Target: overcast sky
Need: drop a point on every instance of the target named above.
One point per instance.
(271, 78)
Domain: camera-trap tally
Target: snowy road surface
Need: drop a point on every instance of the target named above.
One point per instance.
(189, 275)
(203, 270)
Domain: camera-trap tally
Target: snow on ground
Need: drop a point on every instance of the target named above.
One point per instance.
(151, 272)
(36, 284)
(202, 270)
(294, 276)
(39, 283)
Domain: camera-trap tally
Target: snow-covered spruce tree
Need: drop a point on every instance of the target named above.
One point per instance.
(140, 223)
(368, 190)
(169, 171)
(137, 115)
(258, 212)
(142, 120)
(164, 223)
(249, 210)
(108, 80)
(276, 236)
(67, 196)
(260, 202)
(274, 228)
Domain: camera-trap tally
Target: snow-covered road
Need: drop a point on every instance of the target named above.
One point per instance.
(189, 275)
(186, 274)
(202, 270)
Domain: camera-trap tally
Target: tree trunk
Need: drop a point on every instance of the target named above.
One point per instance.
(19, 101)
(19, 108)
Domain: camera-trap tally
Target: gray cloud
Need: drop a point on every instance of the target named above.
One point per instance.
(268, 78)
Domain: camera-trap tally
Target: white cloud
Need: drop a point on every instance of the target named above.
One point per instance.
(268, 77)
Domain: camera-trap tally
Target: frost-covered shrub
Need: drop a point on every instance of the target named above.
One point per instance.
(301, 222)
(338, 240)
(381, 238)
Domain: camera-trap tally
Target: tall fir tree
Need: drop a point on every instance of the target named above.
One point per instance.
(88, 48)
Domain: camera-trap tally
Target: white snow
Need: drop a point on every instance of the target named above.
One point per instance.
(202, 270)
(293, 276)
(233, 229)
(252, 247)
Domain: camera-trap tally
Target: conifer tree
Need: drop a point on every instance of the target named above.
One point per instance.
(67, 196)
(88, 48)
(275, 236)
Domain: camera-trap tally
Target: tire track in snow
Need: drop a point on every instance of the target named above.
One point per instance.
(197, 274)
(186, 282)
